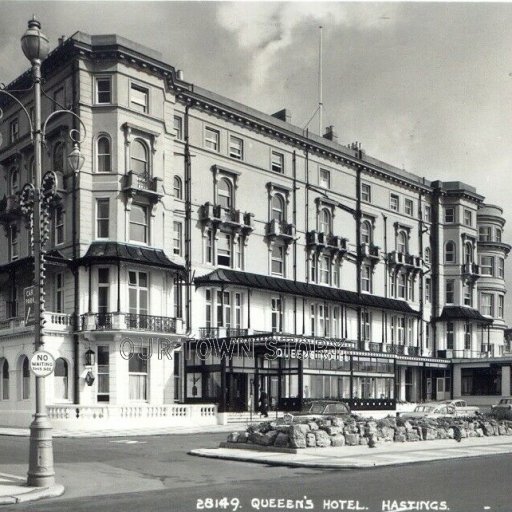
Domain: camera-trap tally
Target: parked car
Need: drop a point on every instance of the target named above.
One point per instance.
(461, 407)
(503, 409)
(431, 410)
(321, 408)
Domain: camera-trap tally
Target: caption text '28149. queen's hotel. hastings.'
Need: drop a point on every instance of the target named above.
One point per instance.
(198, 219)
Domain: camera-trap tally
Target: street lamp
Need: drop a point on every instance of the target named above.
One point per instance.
(35, 200)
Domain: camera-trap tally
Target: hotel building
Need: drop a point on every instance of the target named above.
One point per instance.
(207, 252)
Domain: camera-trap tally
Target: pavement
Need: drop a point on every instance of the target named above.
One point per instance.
(14, 489)
(358, 457)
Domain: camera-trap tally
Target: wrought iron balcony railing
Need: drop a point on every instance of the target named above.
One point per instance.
(127, 321)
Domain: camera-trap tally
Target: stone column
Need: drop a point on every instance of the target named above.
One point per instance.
(457, 381)
(505, 380)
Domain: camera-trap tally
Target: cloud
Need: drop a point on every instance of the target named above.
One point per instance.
(266, 29)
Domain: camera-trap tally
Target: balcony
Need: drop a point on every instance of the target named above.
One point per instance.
(401, 259)
(10, 208)
(375, 347)
(370, 251)
(236, 220)
(398, 350)
(470, 271)
(318, 240)
(127, 322)
(222, 332)
(413, 351)
(61, 322)
(143, 185)
(281, 230)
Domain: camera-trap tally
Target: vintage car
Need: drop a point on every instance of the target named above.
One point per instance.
(431, 410)
(461, 407)
(503, 409)
(320, 408)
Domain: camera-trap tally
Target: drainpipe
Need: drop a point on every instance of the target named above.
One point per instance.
(420, 244)
(75, 268)
(294, 220)
(306, 163)
(436, 258)
(188, 226)
(359, 254)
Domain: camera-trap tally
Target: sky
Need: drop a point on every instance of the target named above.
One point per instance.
(423, 86)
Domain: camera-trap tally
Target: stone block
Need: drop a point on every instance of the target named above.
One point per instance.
(322, 438)
(233, 437)
(310, 440)
(374, 441)
(337, 422)
(313, 425)
(269, 437)
(297, 437)
(338, 440)
(412, 435)
(351, 439)
(244, 436)
(281, 440)
(332, 431)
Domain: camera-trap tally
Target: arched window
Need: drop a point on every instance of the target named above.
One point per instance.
(449, 252)
(14, 180)
(225, 193)
(401, 242)
(25, 379)
(4, 370)
(428, 255)
(366, 232)
(139, 163)
(178, 189)
(58, 157)
(61, 380)
(325, 221)
(468, 252)
(278, 209)
(104, 154)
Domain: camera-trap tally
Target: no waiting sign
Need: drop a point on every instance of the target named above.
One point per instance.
(42, 363)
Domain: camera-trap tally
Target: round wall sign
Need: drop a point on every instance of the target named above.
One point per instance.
(42, 363)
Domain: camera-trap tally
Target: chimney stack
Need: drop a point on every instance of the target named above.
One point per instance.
(62, 38)
(179, 74)
(285, 115)
(331, 134)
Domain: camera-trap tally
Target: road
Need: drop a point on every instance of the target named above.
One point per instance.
(155, 474)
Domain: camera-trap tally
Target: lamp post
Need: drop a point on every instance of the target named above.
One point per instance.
(35, 201)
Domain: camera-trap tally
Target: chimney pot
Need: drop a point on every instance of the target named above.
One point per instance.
(330, 134)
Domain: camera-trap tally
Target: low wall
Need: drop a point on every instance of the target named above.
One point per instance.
(100, 417)
(341, 431)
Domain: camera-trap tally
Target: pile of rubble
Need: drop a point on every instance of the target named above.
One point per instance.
(351, 431)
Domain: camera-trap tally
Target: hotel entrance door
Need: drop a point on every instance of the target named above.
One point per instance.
(236, 392)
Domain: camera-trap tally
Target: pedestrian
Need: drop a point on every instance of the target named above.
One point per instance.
(264, 404)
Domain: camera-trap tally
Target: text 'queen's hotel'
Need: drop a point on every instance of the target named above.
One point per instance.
(197, 222)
